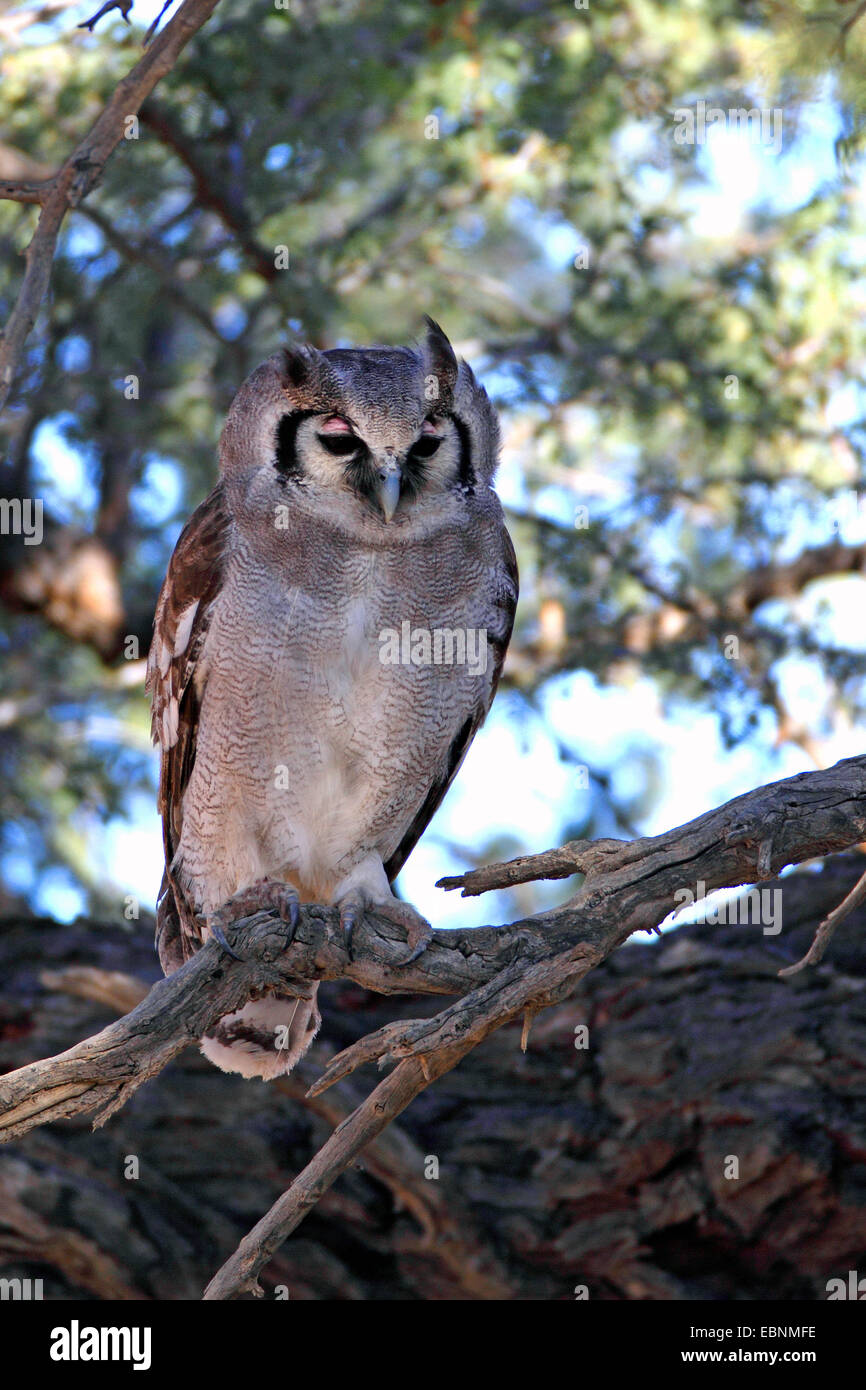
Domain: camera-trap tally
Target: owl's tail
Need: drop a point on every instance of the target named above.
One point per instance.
(265, 1038)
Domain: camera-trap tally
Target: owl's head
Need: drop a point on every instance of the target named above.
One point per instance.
(383, 433)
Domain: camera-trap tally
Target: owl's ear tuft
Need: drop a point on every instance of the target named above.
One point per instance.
(298, 365)
(439, 359)
(307, 379)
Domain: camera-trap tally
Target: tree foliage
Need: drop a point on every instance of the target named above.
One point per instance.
(683, 422)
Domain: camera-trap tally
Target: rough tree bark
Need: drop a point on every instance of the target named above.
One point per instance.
(500, 975)
(557, 1167)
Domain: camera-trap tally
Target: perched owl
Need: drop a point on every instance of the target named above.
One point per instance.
(327, 642)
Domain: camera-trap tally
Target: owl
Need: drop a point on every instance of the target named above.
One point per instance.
(327, 642)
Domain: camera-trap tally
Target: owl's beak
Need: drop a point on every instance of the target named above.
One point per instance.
(389, 487)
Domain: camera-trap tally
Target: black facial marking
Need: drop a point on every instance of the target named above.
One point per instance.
(466, 471)
(414, 475)
(286, 462)
(363, 477)
(415, 466)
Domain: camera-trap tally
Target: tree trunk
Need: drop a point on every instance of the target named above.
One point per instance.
(709, 1142)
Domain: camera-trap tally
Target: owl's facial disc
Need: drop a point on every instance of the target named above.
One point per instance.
(382, 478)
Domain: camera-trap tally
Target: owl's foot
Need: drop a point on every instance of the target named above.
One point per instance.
(419, 932)
(257, 898)
(350, 911)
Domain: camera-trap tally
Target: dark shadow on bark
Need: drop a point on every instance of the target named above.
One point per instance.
(602, 1167)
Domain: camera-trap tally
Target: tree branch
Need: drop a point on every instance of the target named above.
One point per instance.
(498, 974)
(384, 1104)
(211, 191)
(83, 170)
(430, 1047)
(123, 5)
(630, 886)
(14, 191)
(159, 266)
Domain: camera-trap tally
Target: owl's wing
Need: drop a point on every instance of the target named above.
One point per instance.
(183, 612)
(499, 630)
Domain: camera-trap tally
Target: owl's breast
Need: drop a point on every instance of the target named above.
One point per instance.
(346, 694)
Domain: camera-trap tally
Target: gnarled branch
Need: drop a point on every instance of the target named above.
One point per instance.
(498, 974)
(82, 171)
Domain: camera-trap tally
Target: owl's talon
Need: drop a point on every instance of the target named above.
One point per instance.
(216, 932)
(289, 908)
(419, 949)
(294, 919)
(255, 898)
(348, 917)
(419, 932)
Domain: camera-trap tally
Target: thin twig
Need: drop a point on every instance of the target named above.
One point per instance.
(839, 46)
(13, 191)
(211, 190)
(123, 5)
(159, 266)
(83, 170)
(575, 857)
(824, 934)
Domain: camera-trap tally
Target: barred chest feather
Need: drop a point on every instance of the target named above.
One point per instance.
(336, 721)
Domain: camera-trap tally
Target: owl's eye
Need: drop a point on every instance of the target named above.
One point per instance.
(341, 445)
(425, 447)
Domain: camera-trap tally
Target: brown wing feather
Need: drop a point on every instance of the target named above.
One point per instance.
(183, 610)
(505, 604)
